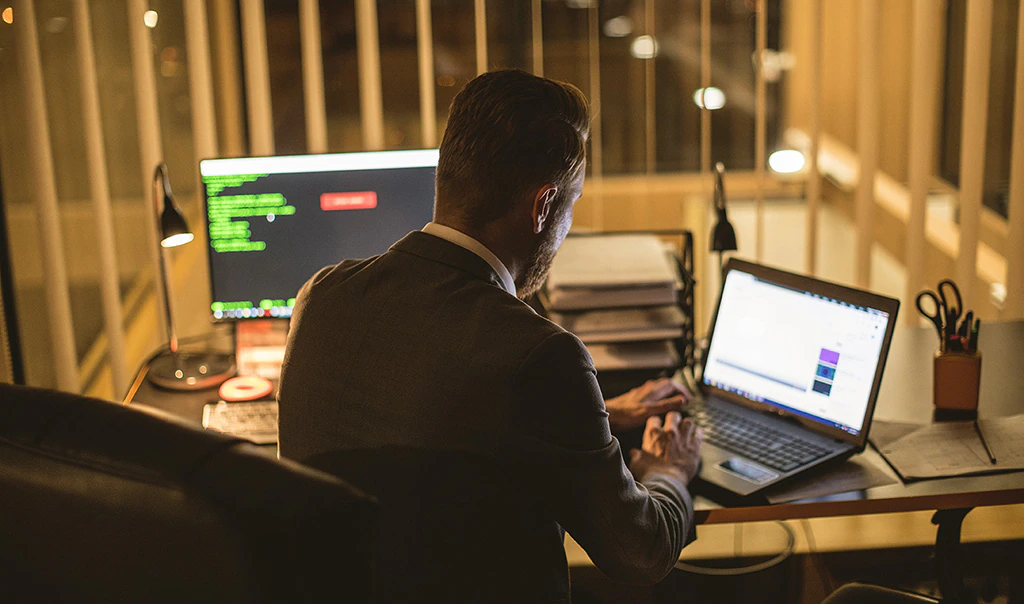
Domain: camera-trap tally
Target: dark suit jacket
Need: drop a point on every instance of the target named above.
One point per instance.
(477, 423)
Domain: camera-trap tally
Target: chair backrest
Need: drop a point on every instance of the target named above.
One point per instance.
(102, 502)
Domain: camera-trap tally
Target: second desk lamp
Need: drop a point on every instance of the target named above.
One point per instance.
(174, 369)
(723, 235)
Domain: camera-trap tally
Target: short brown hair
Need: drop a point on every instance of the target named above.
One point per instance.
(508, 132)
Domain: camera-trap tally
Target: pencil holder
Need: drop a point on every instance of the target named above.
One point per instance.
(957, 380)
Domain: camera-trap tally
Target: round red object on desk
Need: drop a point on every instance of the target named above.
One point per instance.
(245, 388)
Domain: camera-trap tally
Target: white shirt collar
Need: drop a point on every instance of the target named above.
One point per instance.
(465, 241)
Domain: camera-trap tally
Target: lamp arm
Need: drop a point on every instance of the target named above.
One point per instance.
(161, 173)
(720, 187)
(161, 182)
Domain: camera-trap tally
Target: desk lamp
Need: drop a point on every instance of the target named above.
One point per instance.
(172, 368)
(723, 236)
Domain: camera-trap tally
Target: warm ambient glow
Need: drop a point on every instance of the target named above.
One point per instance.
(786, 161)
(644, 47)
(712, 98)
(8, 15)
(150, 18)
(56, 25)
(176, 240)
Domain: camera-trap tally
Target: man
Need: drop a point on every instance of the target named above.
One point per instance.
(421, 376)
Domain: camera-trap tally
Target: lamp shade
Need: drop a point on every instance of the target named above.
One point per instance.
(723, 237)
(174, 230)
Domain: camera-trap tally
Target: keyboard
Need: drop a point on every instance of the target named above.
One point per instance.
(252, 420)
(755, 441)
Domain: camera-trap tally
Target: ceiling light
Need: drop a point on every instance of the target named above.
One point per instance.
(619, 27)
(786, 161)
(712, 98)
(644, 47)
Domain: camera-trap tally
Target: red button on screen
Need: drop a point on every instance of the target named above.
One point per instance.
(362, 200)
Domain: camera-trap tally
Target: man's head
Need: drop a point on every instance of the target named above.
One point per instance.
(514, 148)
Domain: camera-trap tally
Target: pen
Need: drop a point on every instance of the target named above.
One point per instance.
(967, 324)
(977, 428)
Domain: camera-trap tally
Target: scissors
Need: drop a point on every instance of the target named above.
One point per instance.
(946, 315)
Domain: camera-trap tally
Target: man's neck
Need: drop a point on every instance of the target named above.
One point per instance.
(494, 237)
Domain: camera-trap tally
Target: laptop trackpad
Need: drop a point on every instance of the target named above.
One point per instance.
(747, 470)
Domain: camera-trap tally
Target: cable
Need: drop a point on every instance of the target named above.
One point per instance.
(745, 570)
(819, 565)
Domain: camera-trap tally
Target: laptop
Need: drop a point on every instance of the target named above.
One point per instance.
(790, 376)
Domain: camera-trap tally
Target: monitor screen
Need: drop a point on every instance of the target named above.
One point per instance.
(803, 352)
(274, 221)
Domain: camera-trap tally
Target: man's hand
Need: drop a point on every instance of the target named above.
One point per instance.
(655, 397)
(672, 448)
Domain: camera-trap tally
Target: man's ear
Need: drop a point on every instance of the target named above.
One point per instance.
(542, 202)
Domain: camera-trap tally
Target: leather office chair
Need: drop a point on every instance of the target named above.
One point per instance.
(105, 503)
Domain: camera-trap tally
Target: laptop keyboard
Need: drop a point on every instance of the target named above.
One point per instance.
(255, 420)
(735, 433)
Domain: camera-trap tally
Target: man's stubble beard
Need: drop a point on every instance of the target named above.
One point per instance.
(540, 260)
(537, 270)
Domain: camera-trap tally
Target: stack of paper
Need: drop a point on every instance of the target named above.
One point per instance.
(618, 294)
(658, 354)
(955, 449)
(623, 324)
(607, 271)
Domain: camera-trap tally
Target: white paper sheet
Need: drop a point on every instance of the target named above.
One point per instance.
(954, 449)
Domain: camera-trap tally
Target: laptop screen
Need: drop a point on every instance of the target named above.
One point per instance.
(805, 353)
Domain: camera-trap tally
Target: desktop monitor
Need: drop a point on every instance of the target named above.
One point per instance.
(272, 222)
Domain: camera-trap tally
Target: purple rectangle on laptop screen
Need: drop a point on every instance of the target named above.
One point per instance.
(829, 356)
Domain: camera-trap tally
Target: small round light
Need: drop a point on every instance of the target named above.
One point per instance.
(150, 18)
(711, 99)
(644, 47)
(786, 161)
(8, 15)
(618, 27)
(176, 240)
